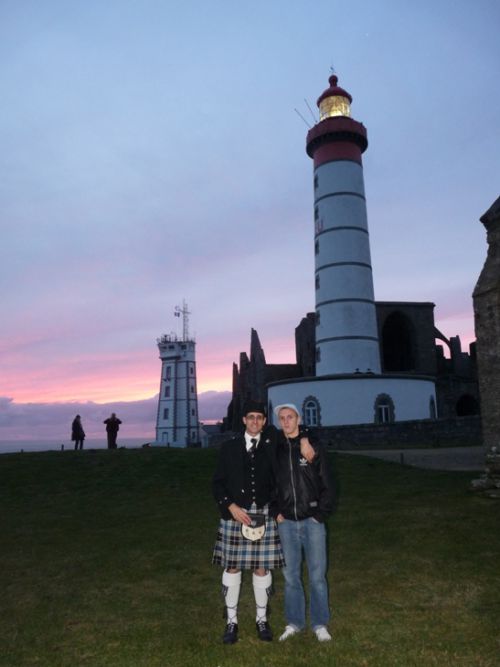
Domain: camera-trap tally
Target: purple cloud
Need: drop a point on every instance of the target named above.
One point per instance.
(32, 421)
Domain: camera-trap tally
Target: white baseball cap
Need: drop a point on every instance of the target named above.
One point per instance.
(291, 406)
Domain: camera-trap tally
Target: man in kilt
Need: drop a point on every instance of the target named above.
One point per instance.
(244, 485)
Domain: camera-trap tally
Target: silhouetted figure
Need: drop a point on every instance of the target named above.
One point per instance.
(112, 428)
(77, 432)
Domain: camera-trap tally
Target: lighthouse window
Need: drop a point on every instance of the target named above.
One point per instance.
(167, 392)
(317, 282)
(193, 412)
(383, 413)
(315, 181)
(311, 411)
(165, 413)
(335, 105)
(384, 409)
(168, 372)
(318, 317)
(316, 247)
(318, 354)
(316, 213)
(192, 389)
(191, 370)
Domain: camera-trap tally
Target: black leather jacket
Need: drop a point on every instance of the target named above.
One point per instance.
(304, 489)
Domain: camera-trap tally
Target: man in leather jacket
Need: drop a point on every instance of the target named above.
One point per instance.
(305, 500)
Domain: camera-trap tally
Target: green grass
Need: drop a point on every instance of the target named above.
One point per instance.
(105, 561)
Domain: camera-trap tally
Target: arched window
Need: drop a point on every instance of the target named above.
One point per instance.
(311, 411)
(384, 409)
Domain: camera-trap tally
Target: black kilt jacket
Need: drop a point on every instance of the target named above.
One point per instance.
(238, 479)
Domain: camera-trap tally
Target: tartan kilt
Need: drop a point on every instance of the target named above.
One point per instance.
(232, 550)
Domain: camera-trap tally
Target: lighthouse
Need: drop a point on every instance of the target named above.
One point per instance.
(349, 387)
(177, 418)
(346, 324)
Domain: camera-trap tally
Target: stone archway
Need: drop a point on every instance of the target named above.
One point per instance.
(398, 343)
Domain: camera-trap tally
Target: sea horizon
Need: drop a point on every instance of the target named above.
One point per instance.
(52, 444)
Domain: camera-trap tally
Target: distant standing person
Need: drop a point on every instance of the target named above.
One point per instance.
(112, 428)
(77, 432)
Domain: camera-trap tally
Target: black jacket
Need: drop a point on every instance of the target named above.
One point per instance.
(232, 480)
(304, 489)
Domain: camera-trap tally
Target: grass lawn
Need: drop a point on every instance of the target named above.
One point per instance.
(105, 561)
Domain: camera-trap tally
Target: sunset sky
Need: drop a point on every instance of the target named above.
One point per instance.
(151, 152)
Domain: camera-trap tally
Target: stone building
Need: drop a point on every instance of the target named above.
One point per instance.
(251, 377)
(486, 298)
(410, 344)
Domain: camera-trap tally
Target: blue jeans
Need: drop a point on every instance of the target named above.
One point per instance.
(310, 536)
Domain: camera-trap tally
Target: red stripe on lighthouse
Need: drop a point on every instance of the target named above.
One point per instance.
(337, 150)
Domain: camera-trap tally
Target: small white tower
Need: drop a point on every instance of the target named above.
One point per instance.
(177, 420)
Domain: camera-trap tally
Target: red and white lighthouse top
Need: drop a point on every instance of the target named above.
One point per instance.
(337, 136)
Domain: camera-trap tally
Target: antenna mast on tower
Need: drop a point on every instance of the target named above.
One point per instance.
(185, 319)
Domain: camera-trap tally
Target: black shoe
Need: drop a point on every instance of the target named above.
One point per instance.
(264, 631)
(230, 636)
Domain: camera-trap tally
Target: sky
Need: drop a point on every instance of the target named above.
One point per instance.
(151, 153)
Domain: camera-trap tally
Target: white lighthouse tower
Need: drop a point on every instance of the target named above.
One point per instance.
(177, 420)
(348, 387)
(346, 323)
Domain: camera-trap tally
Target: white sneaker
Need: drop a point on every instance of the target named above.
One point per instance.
(322, 634)
(290, 630)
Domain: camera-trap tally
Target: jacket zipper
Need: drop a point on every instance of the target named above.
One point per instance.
(292, 480)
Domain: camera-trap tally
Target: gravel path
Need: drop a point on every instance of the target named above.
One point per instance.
(446, 458)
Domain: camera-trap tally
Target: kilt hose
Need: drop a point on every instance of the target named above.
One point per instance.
(233, 551)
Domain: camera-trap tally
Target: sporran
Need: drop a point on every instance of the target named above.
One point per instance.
(256, 529)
